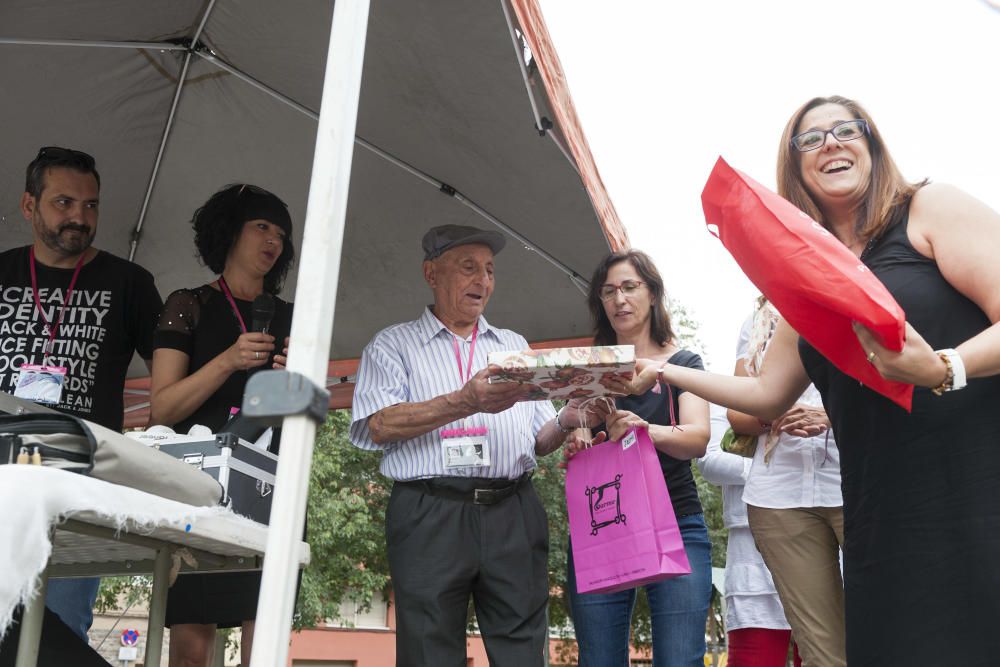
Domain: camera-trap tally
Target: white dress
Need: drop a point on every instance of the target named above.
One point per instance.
(751, 600)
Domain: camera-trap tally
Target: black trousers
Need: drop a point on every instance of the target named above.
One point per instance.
(443, 550)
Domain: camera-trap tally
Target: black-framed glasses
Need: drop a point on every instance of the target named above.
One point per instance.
(849, 130)
(59, 153)
(626, 287)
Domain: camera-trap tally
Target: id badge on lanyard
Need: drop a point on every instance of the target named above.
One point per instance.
(43, 383)
(466, 447)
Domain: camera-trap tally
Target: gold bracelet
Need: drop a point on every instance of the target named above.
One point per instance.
(949, 376)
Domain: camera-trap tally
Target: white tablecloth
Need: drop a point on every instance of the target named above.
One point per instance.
(34, 498)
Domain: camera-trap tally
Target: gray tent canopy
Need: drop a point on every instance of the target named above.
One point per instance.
(177, 99)
(448, 123)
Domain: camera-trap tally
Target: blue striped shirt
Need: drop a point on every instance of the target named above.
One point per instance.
(414, 362)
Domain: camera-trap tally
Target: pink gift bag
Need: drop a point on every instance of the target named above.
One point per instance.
(622, 524)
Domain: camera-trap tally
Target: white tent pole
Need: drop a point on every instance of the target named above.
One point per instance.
(312, 324)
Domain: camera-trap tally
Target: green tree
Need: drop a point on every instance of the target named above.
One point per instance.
(346, 524)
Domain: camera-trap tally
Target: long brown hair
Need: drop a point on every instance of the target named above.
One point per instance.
(888, 192)
(659, 320)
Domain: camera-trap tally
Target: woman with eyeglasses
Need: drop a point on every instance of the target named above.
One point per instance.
(921, 515)
(204, 352)
(626, 301)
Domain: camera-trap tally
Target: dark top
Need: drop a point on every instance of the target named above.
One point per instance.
(921, 509)
(654, 409)
(111, 316)
(200, 323)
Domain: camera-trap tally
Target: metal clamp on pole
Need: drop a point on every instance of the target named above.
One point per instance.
(272, 395)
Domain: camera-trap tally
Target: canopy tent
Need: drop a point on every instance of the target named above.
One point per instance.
(446, 133)
(463, 117)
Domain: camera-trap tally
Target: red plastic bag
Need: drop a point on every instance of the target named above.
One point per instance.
(814, 281)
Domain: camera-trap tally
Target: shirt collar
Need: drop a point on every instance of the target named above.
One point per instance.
(432, 326)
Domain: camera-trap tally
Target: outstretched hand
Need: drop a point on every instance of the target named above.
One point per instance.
(646, 376)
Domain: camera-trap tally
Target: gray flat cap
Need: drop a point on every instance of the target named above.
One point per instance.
(445, 237)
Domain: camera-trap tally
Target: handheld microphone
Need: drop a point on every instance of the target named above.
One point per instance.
(262, 311)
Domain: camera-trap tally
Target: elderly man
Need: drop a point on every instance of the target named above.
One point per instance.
(71, 317)
(463, 518)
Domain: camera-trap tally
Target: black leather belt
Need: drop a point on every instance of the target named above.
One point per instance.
(476, 490)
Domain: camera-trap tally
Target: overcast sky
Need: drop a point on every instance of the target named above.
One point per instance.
(663, 88)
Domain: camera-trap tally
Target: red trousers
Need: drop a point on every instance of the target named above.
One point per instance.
(760, 647)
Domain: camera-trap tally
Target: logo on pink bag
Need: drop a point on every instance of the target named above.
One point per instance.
(605, 504)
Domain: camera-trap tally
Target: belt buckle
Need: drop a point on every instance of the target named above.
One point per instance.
(482, 496)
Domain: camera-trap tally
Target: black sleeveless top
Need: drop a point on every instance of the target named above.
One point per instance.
(921, 490)
(653, 407)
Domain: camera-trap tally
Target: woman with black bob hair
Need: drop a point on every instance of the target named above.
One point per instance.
(627, 302)
(203, 355)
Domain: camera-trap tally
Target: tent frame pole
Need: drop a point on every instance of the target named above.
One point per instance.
(151, 46)
(575, 277)
(137, 232)
(543, 125)
(312, 323)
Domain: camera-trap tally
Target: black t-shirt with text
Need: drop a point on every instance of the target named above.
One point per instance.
(112, 314)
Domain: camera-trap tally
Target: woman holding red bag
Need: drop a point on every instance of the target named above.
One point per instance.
(626, 300)
(921, 518)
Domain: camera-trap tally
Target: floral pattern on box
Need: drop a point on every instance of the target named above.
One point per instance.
(566, 372)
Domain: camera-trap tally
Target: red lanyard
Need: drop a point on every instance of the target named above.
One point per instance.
(229, 295)
(458, 357)
(53, 328)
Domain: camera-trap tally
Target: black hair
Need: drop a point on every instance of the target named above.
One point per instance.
(50, 157)
(219, 223)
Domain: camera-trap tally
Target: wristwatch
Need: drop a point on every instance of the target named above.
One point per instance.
(559, 425)
(955, 378)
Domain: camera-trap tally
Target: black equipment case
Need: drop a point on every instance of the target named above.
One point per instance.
(245, 471)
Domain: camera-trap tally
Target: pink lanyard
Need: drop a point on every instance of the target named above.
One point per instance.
(229, 296)
(458, 356)
(53, 328)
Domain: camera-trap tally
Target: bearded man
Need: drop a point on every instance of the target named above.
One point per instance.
(71, 318)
